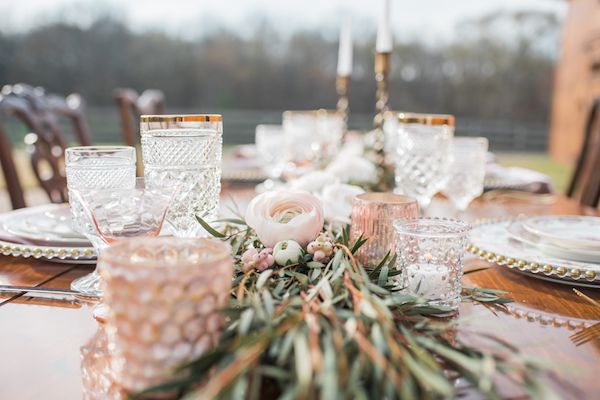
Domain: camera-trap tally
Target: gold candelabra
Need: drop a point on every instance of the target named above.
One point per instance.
(342, 83)
(382, 69)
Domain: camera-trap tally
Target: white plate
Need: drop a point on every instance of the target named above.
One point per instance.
(44, 225)
(567, 230)
(492, 242)
(520, 233)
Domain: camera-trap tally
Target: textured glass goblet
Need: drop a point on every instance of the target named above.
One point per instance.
(121, 213)
(91, 168)
(422, 154)
(466, 173)
(271, 149)
(185, 149)
(164, 297)
(373, 215)
(316, 134)
(430, 258)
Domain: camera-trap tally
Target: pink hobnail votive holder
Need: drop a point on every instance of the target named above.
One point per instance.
(164, 295)
(373, 215)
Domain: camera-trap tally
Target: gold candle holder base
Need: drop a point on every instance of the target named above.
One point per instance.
(342, 83)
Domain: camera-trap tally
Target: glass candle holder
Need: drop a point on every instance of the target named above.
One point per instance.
(164, 295)
(430, 257)
(186, 149)
(373, 215)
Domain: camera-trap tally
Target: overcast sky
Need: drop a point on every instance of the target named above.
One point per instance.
(430, 19)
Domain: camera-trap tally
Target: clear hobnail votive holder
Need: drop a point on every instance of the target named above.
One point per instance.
(430, 257)
(164, 295)
(373, 215)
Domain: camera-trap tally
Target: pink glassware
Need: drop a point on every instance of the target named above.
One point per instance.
(373, 215)
(164, 295)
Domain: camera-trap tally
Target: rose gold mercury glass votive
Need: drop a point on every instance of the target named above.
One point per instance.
(373, 215)
(164, 296)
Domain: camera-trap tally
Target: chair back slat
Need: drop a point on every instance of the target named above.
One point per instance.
(131, 106)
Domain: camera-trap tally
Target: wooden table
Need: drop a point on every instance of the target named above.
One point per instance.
(40, 338)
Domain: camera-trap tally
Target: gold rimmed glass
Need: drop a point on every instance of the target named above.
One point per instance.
(420, 148)
(186, 149)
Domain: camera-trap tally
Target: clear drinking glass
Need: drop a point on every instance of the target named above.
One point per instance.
(185, 149)
(430, 257)
(373, 215)
(129, 212)
(164, 297)
(271, 148)
(316, 134)
(422, 145)
(466, 173)
(91, 168)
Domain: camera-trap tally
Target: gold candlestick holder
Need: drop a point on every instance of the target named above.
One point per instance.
(342, 83)
(382, 70)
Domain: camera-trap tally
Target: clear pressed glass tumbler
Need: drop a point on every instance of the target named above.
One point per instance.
(422, 154)
(186, 149)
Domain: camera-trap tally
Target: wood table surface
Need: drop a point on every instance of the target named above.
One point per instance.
(41, 337)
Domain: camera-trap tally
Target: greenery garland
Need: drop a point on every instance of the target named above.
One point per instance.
(341, 331)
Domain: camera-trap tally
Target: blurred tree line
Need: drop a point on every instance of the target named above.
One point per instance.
(498, 66)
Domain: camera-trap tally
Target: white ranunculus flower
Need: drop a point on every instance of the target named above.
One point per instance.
(337, 202)
(284, 215)
(313, 182)
(353, 169)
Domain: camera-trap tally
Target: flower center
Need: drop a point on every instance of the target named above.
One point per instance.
(286, 215)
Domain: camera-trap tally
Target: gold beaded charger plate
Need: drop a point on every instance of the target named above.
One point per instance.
(493, 242)
(67, 255)
(29, 232)
(45, 225)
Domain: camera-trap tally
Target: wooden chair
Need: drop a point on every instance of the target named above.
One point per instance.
(9, 170)
(132, 106)
(585, 181)
(43, 115)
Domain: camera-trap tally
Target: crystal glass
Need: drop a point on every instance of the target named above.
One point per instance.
(316, 134)
(186, 149)
(271, 149)
(430, 257)
(422, 153)
(467, 170)
(117, 214)
(164, 296)
(273, 152)
(90, 168)
(96, 375)
(373, 215)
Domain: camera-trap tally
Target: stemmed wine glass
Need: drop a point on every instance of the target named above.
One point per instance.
(466, 173)
(90, 168)
(273, 153)
(117, 214)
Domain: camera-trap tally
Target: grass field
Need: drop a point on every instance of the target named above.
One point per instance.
(559, 173)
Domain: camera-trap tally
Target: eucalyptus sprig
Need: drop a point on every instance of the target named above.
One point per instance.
(341, 331)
